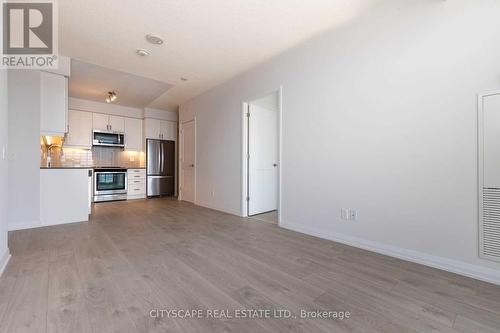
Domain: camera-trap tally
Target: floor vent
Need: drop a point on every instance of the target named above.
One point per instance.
(490, 233)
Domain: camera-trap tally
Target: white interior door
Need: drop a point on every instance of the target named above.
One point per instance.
(188, 136)
(263, 160)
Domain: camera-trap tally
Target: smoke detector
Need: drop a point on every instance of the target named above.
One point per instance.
(154, 39)
(142, 52)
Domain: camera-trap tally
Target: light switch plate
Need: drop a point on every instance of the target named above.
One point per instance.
(344, 214)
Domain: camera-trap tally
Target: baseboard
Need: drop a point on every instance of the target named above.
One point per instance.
(458, 267)
(4, 260)
(232, 212)
(24, 225)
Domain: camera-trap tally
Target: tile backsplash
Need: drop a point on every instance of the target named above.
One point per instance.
(95, 157)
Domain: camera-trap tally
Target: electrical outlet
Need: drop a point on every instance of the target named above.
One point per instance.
(353, 215)
(4, 153)
(344, 214)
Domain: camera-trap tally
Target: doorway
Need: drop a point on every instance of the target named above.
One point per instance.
(262, 119)
(188, 161)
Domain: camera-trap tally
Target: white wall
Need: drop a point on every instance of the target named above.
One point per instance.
(161, 114)
(120, 110)
(378, 115)
(4, 251)
(24, 148)
(108, 108)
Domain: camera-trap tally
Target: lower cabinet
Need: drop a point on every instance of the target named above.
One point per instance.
(136, 184)
(64, 195)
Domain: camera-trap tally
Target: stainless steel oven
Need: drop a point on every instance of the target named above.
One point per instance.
(110, 184)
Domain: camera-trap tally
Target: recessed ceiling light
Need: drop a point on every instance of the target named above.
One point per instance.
(142, 52)
(154, 39)
(184, 78)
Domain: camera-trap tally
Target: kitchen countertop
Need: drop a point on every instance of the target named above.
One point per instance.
(82, 167)
(66, 167)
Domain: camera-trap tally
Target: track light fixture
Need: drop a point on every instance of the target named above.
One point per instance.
(111, 97)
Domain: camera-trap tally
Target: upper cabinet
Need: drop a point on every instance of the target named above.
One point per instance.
(133, 134)
(81, 124)
(100, 122)
(168, 130)
(152, 128)
(160, 129)
(53, 104)
(104, 122)
(79, 129)
(117, 124)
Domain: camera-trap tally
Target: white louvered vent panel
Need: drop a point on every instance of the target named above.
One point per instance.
(491, 223)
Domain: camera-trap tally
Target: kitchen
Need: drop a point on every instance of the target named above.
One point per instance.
(96, 133)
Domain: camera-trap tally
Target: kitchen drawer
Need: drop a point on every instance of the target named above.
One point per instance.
(136, 189)
(136, 197)
(136, 175)
(136, 181)
(136, 171)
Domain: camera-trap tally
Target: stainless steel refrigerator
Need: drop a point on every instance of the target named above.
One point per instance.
(160, 165)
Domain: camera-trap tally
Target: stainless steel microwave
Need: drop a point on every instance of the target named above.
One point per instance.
(108, 138)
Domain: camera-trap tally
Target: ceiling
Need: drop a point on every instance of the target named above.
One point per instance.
(93, 82)
(207, 41)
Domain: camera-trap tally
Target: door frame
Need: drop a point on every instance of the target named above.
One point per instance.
(480, 172)
(244, 149)
(181, 151)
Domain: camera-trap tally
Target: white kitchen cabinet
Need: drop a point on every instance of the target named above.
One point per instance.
(152, 128)
(64, 195)
(100, 122)
(53, 104)
(168, 130)
(104, 122)
(79, 129)
(133, 134)
(160, 129)
(136, 184)
(117, 124)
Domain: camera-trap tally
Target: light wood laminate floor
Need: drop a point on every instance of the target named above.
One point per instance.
(106, 276)
(270, 217)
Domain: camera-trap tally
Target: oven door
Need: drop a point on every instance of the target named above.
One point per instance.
(110, 183)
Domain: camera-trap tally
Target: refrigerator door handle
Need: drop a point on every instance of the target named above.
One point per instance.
(159, 159)
(162, 158)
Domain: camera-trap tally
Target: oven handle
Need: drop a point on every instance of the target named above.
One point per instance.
(113, 172)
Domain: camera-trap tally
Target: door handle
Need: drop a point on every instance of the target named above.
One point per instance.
(191, 165)
(275, 165)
